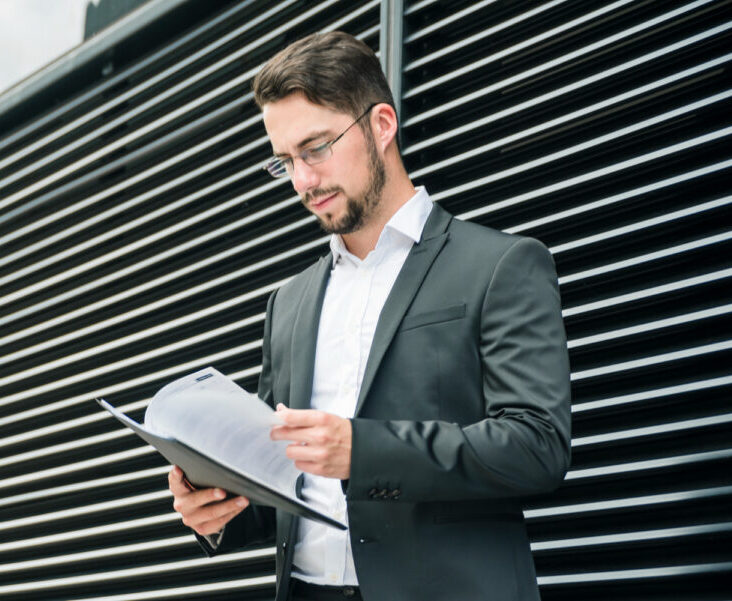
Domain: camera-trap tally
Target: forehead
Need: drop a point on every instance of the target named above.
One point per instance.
(294, 119)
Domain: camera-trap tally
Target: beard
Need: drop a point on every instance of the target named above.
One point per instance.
(358, 210)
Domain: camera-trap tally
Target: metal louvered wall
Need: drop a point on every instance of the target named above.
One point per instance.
(139, 241)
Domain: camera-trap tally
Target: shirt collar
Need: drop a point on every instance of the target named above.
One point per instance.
(409, 221)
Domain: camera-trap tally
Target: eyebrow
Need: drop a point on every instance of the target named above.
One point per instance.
(305, 142)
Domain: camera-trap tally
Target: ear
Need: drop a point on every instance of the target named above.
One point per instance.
(384, 124)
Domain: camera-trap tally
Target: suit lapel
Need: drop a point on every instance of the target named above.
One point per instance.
(405, 287)
(305, 335)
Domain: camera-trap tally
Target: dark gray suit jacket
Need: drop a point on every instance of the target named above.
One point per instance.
(463, 410)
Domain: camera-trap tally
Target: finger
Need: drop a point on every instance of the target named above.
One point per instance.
(213, 512)
(340, 471)
(215, 526)
(301, 417)
(293, 434)
(189, 502)
(176, 482)
(310, 467)
(298, 452)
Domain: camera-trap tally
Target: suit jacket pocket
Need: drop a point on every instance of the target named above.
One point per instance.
(431, 317)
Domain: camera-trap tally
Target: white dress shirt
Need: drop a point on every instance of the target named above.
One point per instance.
(355, 296)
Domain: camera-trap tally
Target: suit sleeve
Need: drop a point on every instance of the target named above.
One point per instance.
(256, 524)
(522, 446)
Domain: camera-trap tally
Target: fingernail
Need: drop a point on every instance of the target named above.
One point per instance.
(280, 406)
(241, 502)
(219, 494)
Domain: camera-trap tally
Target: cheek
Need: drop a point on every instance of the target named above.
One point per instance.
(357, 176)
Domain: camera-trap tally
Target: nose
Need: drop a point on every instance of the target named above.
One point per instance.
(304, 177)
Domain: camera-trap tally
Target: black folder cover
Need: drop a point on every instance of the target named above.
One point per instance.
(205, 472)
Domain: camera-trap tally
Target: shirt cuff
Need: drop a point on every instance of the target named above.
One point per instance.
(214, 539)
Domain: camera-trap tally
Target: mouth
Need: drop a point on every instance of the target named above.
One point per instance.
(320, 203)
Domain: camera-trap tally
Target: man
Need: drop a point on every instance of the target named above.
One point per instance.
(420, 368)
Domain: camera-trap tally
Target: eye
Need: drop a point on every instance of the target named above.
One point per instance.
(317, 153)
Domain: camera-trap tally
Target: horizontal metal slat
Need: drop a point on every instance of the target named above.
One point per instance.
(643, 573)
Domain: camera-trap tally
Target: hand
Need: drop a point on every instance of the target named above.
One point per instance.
(321, 441)
(207, 510)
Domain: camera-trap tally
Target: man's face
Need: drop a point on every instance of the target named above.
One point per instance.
(343, 191)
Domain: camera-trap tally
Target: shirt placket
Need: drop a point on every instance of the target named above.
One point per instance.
(366, 277)
(360, 284)
(353, 352)
(336, 545)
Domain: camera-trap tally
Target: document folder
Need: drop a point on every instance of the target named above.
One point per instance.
(206, 472)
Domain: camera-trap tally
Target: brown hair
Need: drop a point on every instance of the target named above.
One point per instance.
(331, 69)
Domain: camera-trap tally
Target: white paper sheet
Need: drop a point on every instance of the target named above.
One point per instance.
(207, 410)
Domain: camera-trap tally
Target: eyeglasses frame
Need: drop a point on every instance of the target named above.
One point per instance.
(269, 166)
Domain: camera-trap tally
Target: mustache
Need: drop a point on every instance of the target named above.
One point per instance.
(319, 193)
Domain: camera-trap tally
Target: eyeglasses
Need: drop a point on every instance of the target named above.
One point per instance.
(278, 167)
